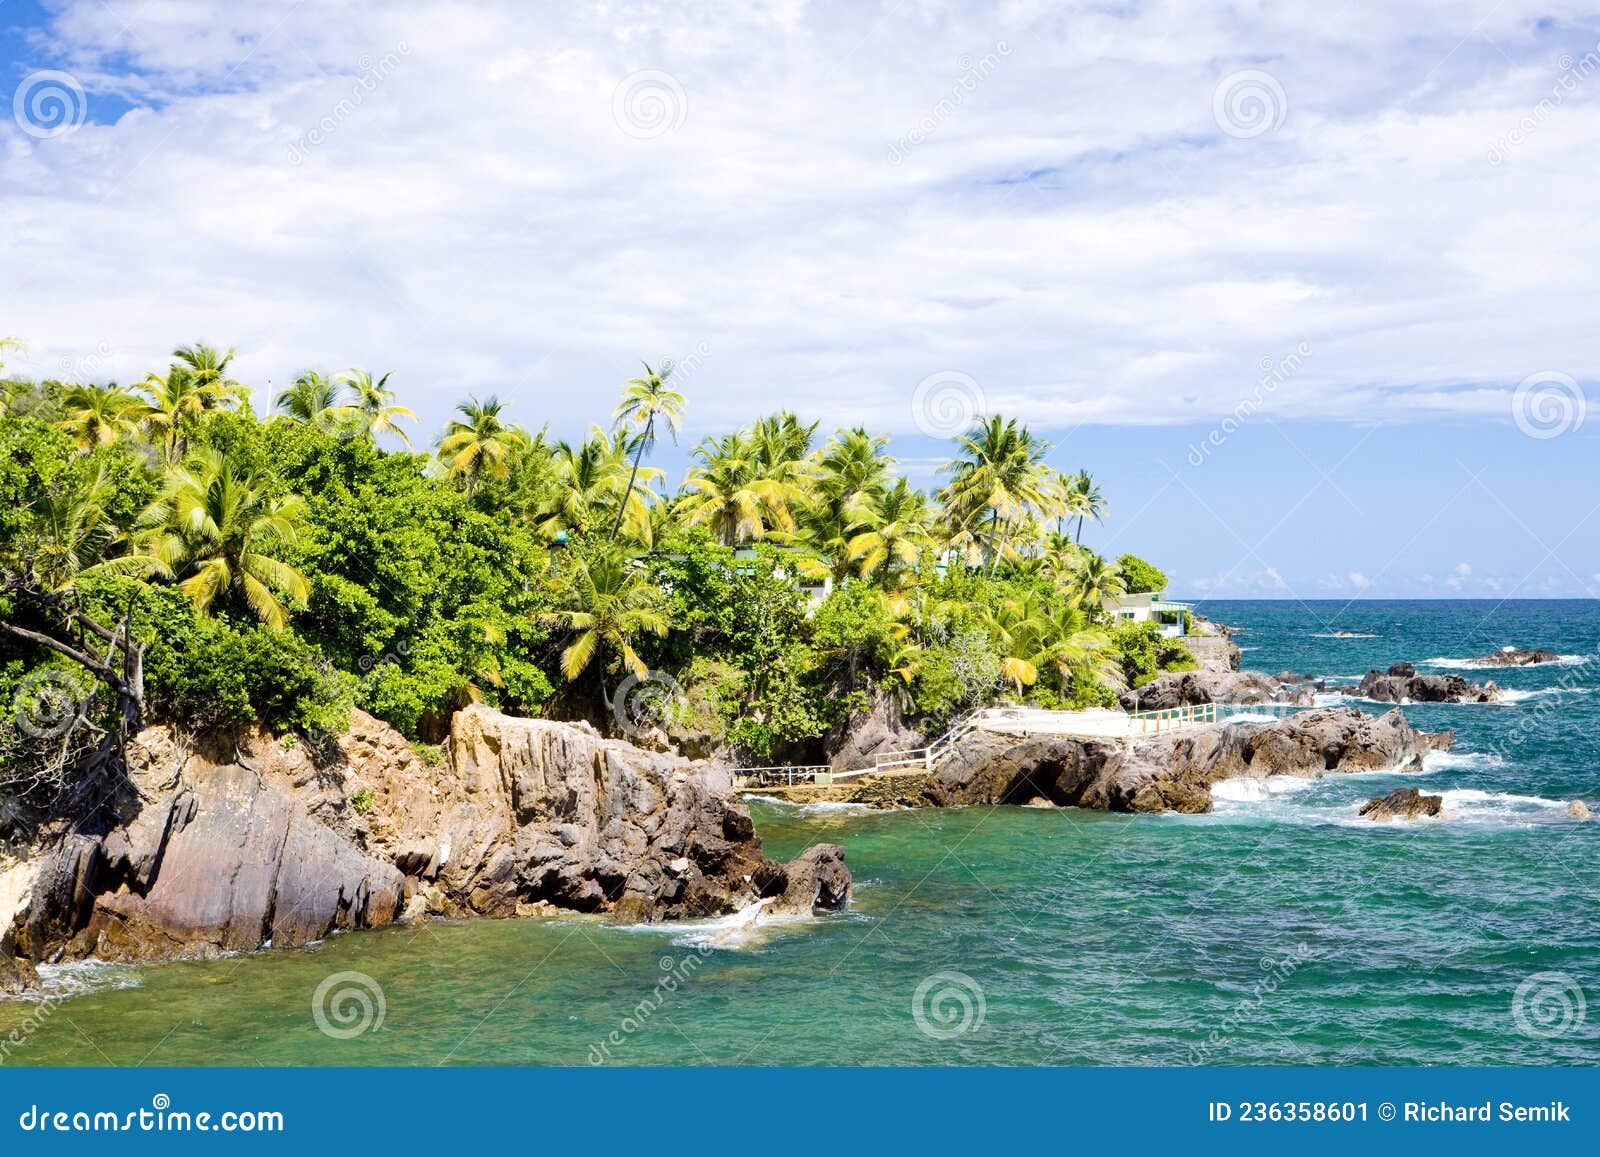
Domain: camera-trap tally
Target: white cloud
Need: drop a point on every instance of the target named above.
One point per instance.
(1077, 234)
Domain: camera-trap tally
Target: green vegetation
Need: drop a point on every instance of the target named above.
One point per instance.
(166, 555)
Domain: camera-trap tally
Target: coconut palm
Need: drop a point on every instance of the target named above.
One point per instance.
(899, 530)
(730, 492)
(848, 479)
(373, 403)
(1084, 499)
(1095, 581)
(610, 603)
(480, 444)
(1076, 650)
(1017, 625)
(72, 535)
(220, 532)
(173, 402)
(209, 368)
(100, 415)
(999, 475)
(592, 477)
(644, 400)
(319, 401)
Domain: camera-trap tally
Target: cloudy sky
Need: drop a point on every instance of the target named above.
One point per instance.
(1312, 290)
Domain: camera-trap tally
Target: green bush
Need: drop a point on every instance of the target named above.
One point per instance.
(1140, 576)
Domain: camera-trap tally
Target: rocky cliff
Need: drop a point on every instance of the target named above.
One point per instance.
(1169, 774)
(235, 842)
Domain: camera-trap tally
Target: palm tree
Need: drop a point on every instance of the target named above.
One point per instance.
(220, 531)
(999, 473)
(481, 445)
(588, 480)
(175, 401)
(318, 401)
(1017, 626)
(209, 367)
(730, 492)
(643, 401)
(100, 415)
(899, 531)
(611, 602)
(73, 535)
(1085, 500)
(1095, 581)
(373, 403)
(1075, 649)
(849, 478)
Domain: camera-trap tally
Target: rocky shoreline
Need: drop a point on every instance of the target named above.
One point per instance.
(1159, 775)
(231, 843)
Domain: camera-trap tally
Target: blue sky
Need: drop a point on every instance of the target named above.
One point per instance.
(1313, 296)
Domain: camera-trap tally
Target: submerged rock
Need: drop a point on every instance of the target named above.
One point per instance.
(1402, 803)
(242, 842)
(1514, 657)
(1579, 810)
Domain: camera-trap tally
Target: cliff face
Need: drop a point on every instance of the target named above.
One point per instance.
(238, 841)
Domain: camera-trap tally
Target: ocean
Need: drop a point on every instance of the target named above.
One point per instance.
(1280, 929)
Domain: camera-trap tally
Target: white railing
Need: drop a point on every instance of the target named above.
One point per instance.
(1167, 719)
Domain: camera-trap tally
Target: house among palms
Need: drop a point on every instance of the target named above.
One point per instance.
(1151, 607)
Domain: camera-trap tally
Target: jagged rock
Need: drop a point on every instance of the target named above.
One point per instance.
(1190, 688)
(1514, 657)
(1402, 684)
(1579, 810)
(1168, 774)
(241, 840)
(1402, 803)
(816, 879)
(880, 729)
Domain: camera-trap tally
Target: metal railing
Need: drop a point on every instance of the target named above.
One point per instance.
(1167, 719)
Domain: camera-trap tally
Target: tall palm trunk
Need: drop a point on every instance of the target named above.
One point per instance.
(638, 456)
(994, 531)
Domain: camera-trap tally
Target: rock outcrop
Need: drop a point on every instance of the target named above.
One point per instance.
(1514, 657)
(1403, 803)
(240, 842)
(1168, 774)
(1401, 684)
(1189, 688)
(879, 729)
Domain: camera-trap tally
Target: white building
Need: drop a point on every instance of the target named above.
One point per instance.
(1151, 607)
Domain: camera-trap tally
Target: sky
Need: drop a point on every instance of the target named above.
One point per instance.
(1311, 291)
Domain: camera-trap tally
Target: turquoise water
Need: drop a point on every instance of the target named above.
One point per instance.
(1274, 931)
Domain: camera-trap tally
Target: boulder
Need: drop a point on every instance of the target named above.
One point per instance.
(815, 880)
(1402, 684)
(1402, 803)
(1579, 810)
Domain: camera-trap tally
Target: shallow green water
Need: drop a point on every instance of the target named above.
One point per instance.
(1277, 930)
